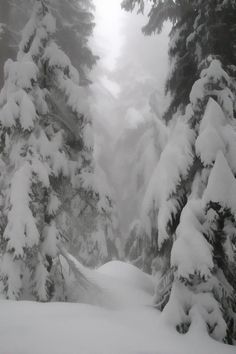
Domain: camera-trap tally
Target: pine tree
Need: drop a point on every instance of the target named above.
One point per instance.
(192, 199)
(46, 159)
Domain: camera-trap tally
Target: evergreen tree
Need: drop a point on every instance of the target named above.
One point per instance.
(146, 150)
(46, 159)
(10, 21)
(138, 248)
(182, 73)
(93, 224)
(192, 197)
(198, 29)
(75, 24)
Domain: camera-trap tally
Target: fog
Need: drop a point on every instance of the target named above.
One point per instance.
(131, 68)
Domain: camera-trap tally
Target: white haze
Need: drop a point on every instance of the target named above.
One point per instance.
(119, 41)
(131, 67)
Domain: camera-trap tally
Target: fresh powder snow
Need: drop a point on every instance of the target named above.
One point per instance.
(119, 327)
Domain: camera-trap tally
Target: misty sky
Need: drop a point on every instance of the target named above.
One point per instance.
(130, 68)
(118, 39)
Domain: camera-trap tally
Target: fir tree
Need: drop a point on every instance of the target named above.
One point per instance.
(46, 159)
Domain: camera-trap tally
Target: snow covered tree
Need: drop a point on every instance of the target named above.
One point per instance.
(189, 204)
(46, 159)
(93, 225)
(75, 24)
(198, 29)
(138, 248)
(182, 73)
(203, 256)
(8, 36)
(144, 155)
(187, 199)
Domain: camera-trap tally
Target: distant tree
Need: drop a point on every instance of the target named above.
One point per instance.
(138, 249)
(182, 73)
(75, 24)
(92, 225)
(190, 43)
(146, 151)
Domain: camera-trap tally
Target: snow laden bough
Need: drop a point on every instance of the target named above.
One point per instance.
(199, 288)
(45, 152)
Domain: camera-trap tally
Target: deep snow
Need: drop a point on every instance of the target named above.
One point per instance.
(131, 328)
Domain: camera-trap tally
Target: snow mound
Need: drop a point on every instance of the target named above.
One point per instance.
(107, 290)
(128, 274)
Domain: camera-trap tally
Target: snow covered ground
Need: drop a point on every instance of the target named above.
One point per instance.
(131, 328)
